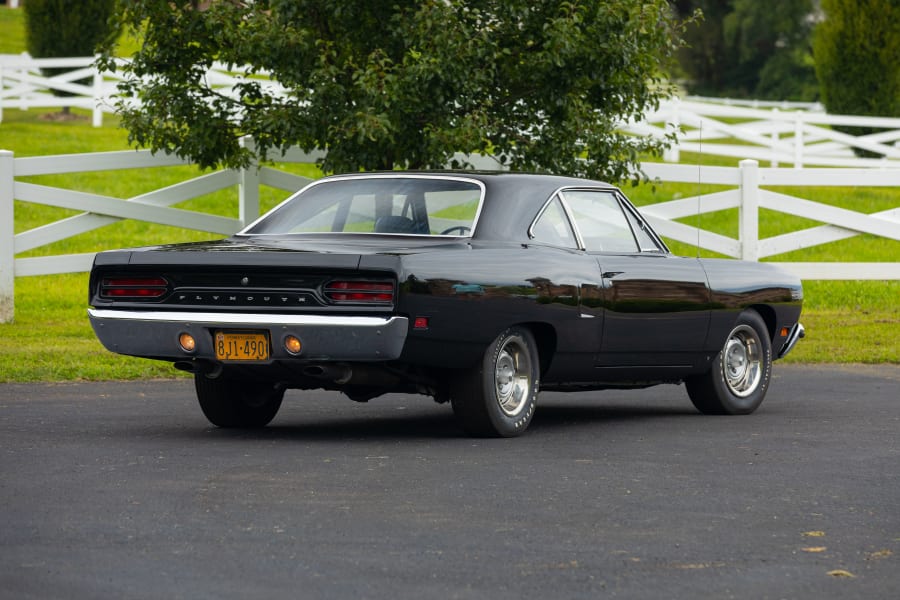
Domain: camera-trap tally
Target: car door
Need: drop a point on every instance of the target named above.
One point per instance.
(655, 306)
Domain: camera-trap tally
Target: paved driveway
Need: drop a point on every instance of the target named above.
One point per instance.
(115, 490)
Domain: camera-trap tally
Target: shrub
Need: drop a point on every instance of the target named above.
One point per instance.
(856, 49)
(61, 28)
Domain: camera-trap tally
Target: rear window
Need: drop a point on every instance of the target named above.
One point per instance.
(429, 206)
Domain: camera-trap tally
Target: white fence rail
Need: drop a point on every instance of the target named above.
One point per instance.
(23, 85)
(749, 197)
(99, 211)
(155, 207)
(795, 137)
(797, 134)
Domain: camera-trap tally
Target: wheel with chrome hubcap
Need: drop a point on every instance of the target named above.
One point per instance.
(739, 378)
(497, 398)
(742, 361)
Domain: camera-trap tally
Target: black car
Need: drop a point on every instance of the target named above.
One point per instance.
(475, 288)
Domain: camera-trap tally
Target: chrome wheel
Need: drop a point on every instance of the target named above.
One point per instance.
(512, 376)
(739, 377)
(497, 397)
(742, 361)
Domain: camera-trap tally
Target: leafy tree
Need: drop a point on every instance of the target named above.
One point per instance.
(60, 28)
(405, 83)
(857, 48)
(748, 48)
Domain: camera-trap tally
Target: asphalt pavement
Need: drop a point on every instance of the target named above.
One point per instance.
(123, 490)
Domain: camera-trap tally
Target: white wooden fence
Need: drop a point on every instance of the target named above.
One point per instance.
(796, 134)
(794, 137)
(155, 207)
(749, 197)
(23, 84)
(152, 207)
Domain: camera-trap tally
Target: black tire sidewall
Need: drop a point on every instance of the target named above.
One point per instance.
(731, 403)
(506, 425)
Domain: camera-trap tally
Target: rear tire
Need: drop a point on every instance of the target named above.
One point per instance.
(237, 404)
(497, 398)
(740, 374)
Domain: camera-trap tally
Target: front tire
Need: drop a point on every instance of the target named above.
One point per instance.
(497, 398)
(237, 404)
(740, 374)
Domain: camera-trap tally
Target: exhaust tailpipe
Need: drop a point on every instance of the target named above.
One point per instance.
(339, 374)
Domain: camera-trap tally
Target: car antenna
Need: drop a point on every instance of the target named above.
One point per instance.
(699, 183)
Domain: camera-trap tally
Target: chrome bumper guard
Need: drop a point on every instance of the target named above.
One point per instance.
(155, 334)
(797, 332)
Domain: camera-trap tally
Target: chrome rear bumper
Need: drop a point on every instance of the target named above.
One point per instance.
(797, 332)
(155, 334)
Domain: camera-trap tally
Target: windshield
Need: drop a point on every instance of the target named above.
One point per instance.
(408, 205)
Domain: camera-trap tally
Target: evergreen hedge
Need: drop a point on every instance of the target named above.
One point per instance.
(857, 55)
(62, 28)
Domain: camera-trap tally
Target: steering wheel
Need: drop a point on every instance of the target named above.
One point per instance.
(463, 230)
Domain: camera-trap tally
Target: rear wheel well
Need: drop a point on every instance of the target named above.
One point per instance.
(768, 316)
(545, 337)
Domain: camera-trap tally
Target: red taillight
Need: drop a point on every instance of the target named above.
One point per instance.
(133, 287)
(360, 291)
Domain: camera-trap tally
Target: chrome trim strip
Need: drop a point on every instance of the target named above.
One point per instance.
(631, 208)
(325, 180)
(269, 320)
(571, 216)
(560, 193)
(797, 332)
(155, 334)
(425, 236)
(540, 214)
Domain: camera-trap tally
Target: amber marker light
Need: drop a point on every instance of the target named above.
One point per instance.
(187, 341)
(784, 331)
(292, 344)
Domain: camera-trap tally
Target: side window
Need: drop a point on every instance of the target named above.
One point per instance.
(553, 227)
(645, 240)
(600, 220)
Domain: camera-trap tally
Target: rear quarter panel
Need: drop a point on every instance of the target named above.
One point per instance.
(472, 294)
(738, 285)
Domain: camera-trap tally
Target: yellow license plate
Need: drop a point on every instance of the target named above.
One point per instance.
(242, 345)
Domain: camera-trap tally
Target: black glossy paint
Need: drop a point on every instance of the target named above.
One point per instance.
(599, 318)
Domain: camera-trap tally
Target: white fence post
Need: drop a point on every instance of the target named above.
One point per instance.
(7, 238)
(798, 140)
(775, 139)
(248, 189)
(748, 221)
(672, 154)
(98, 95)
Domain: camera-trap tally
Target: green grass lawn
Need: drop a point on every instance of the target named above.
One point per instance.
(12, 31)
(51, 339)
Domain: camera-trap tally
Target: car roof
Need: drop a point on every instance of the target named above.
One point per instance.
(511, 199)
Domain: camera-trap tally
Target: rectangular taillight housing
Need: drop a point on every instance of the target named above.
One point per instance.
(120, 288)
(364, 292)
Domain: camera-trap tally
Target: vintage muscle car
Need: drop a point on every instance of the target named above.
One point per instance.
(475, 288)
